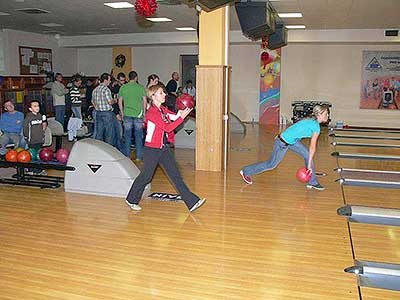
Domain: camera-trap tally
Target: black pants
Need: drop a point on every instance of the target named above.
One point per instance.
(151, 158)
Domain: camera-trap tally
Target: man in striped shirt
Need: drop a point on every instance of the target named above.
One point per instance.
(105, 122)
(76, 98)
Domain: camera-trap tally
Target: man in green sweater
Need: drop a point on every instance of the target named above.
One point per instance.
(132, 104)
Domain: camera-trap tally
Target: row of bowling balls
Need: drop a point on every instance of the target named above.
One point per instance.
(45, 154)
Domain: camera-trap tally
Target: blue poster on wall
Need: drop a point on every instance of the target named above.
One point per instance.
(380, 80)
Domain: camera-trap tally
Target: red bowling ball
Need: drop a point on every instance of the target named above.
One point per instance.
(62, 155)
(184, 100)
(303, 175)
(24, 156)
(11, 156)
(46, 154)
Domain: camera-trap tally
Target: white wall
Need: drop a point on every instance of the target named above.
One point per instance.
(312, 68)
(2, 58)
(64, 59)
(94, 61)
(331, 72)
(245, 81)
(161, 60)
(165, 59)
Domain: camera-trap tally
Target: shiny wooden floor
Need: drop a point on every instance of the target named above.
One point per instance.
(271, 240)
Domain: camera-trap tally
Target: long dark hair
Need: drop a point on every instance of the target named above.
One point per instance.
(152, 77)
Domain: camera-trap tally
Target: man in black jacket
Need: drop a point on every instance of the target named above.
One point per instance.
(172, 88)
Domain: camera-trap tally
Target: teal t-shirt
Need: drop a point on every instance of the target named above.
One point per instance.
(302, 129)
(132, 95)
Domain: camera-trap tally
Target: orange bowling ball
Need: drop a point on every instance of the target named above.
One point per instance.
(24, 156)
(11, 156)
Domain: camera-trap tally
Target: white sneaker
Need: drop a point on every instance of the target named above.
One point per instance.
(133, 206)
(197, 204)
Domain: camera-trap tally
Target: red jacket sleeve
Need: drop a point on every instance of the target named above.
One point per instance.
(154, 115)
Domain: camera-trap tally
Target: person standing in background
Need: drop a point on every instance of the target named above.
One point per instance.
(153, 79)
(115, 87)
(105, 119)
(190, 89)
(132, 103)
(58, 91)
(34, 128)
(76, 98)
(172, 89)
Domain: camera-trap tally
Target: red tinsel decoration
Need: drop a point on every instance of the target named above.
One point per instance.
(146, 8)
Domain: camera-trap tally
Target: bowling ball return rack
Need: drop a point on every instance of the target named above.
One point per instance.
(41, 181)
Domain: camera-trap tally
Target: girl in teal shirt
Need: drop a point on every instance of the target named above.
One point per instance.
(291, 139)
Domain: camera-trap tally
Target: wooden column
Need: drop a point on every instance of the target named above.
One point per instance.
(128, 66)
(212, 77)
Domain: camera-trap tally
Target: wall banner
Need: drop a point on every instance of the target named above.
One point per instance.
(270, 86)
(380, 80)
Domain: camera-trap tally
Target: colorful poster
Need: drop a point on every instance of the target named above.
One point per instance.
(270, 86)
(380, 82)
(19, 97)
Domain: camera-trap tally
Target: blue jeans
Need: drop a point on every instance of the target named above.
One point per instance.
(104, 127)
(277, 155)
(60, 113)
(11, 138)
(94, 124)
(77, 111)
(118, 135)
(136, 124)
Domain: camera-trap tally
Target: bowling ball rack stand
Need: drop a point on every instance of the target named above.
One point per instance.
(41, 181)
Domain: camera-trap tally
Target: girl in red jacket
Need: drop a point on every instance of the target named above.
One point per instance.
(160, 122)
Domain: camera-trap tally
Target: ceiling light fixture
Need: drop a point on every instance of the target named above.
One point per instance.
(119, 4)
(290, 15)
(51, 24)
(159, 19)
(295, 26)
(185, 28)
(108, 28)
(4, 14)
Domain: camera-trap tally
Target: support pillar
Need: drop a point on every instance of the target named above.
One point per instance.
(212, 91)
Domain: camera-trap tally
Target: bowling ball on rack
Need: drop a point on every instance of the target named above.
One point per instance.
(303, 175)
(12, 156)
(46, 154)
(184, 101)
(24, 156)
(62, 155)
(34, 153)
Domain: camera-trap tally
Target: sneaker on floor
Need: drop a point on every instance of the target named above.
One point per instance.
(246, 178)
(133, 206)
(316, 187)
(198, 204)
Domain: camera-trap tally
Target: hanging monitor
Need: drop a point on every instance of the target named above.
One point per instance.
(256, 18)
(212, 4)
(278, 39)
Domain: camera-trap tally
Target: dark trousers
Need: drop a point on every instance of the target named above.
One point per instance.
(36, 147)
(151, 158)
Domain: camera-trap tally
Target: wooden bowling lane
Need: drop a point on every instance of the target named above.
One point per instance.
(270, 240)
